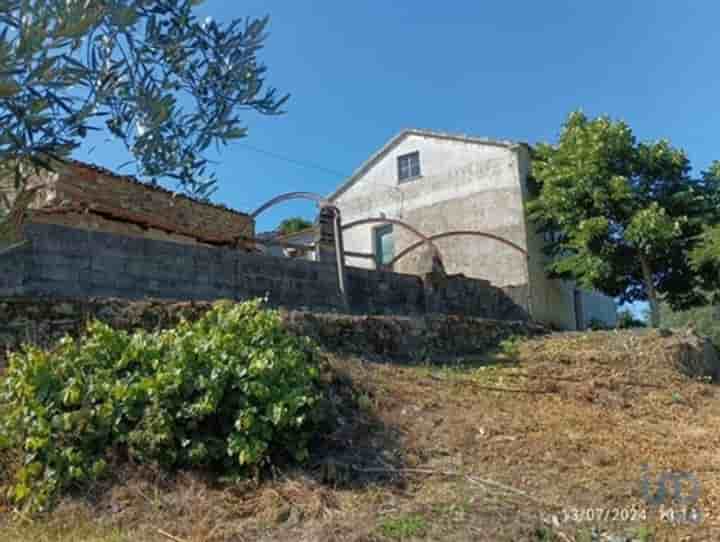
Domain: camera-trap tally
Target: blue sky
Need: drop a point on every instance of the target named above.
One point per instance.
(359, 72)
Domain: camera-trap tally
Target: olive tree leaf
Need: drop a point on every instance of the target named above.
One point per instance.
(148, 72)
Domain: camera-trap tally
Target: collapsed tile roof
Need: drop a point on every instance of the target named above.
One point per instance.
(212, 234)
(132, 179)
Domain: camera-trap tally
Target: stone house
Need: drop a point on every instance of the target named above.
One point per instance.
(84, 196)
(438, 182)
(299, 244)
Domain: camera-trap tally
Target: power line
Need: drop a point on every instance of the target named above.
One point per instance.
(300, 163)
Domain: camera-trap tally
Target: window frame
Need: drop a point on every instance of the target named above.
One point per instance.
(411, 173)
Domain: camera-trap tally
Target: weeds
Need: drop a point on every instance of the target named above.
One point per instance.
(404, 527)
(400, 428)
(644, 534)
(545, 534)
(510, 347)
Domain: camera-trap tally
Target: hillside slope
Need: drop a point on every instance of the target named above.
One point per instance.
(520, 444)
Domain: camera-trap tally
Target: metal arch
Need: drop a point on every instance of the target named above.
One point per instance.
(424, 239)
(453, 233)
(317, 198)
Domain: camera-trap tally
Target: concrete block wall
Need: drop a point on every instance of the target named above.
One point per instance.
(384, 292)
(12, 272)
(456, 295)
(68, 262)
(73, 263)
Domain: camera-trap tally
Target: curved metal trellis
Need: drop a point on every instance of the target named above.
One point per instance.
(424, 239)
(312, 196)
(333, 214)
(435, 237)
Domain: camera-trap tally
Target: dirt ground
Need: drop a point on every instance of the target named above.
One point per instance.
(564, 438)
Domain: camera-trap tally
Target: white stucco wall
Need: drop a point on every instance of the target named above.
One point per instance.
(464, 186)
(552, 301)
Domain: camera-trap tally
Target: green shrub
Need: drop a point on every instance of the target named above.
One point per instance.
(229, 392)
(404, 527)
(705, 320)
(595, 324)
(510, 347)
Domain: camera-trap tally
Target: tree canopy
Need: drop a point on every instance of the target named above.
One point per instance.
(627, 213)
(705, 257)
(293, 225)
(148, 72)
(707, 253)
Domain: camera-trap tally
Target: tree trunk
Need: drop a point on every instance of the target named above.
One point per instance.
(651, 292)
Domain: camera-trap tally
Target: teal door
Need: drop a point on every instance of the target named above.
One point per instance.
(384, 245)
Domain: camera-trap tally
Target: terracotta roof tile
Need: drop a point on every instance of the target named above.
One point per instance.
(131, 179)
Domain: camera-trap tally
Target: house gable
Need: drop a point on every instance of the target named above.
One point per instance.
(438, 152)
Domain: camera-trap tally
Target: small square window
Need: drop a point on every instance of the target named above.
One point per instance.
(408, 166)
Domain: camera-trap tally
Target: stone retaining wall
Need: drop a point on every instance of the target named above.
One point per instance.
(44, 321)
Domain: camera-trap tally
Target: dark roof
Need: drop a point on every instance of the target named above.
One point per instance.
(276, 234)
(156, 187)
(266, 235)
(304, 231)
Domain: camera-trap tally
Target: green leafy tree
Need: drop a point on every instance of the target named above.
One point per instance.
(148, 72)
(705, 257)
(293, 225)
(708, 251)
(627, 212)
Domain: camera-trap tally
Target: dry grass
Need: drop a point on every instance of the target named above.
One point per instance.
(438, 453)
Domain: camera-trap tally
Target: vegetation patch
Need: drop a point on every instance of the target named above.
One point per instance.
(703, 320)
(404, 527)
(575, 421)
(231, 392)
